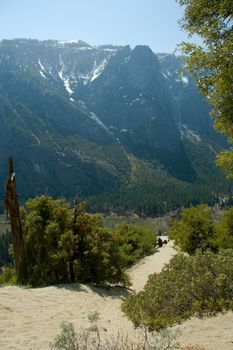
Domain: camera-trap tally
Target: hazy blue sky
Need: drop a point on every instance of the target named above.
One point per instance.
(121, 22)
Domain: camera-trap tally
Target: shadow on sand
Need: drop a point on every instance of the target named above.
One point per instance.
(102, 290)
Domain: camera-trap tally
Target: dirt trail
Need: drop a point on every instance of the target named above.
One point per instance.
(30, 318)
(151, 264)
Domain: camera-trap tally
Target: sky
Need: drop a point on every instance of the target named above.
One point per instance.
(118, 22)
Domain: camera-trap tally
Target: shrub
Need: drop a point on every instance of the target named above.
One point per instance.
(8, 276)
(91, 339)
(136, 242)
(224, 231)
(200, 284)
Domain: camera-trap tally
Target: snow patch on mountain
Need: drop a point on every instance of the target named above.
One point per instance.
(42, 74)
(184, 79)
(79, 45)
(41, 66)
(84, 48)
(36, 138)
(68, 42)
(64, 78)
(66, 82)
(94, 117)
(42, 69)
(190, 134)
(98, 69)
(134, 101)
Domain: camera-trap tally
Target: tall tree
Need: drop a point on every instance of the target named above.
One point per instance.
(212, 63)
(12, 208)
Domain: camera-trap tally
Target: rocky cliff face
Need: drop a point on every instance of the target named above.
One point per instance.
(76, 117)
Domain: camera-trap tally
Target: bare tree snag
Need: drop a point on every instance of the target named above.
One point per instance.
(12, 209)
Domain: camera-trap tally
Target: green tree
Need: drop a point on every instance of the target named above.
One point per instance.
(135, 242)
(98, 256)
(65, 244)
(193, 230)
(212, 64)
(224, 230)
(45, 222)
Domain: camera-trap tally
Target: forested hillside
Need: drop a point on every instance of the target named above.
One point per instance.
(119, 126)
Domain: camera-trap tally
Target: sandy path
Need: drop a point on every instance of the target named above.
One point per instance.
(30, 318)
(150, 264)
(215, 333)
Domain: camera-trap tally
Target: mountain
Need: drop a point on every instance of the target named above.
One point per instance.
(111, 123)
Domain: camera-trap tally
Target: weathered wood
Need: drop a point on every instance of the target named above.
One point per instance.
(12, 209)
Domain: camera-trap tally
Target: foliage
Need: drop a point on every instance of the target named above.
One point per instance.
(153, 200)
(5, 241)
(65, 244)
(135, 242)
(200, 284)
(8, 276)
(45, 223)
(91, 339)
(224, 231)
(193, 230)
(100, 258)
(67, 340)
(212, 64)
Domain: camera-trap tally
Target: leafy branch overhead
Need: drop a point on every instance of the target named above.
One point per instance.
(212, 63)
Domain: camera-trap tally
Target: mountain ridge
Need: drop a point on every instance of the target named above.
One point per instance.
(74, 116)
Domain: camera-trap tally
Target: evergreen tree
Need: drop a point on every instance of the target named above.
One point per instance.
(193, 230)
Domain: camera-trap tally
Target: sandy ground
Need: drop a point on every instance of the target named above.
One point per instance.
(30, 318)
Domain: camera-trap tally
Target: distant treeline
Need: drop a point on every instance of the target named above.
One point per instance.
(147, 200)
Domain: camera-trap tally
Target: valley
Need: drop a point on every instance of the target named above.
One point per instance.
(109, 124)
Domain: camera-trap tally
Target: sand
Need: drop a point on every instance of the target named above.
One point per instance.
(30, 318)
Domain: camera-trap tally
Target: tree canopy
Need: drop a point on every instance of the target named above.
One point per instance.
(224, 231)
(66, 244)
(212, 63)
(194, 229)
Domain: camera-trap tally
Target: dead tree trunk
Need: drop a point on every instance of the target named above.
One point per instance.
(12, 208)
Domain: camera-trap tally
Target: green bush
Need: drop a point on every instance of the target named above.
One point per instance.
(224, 231)
(200, 284)
(8, 276)
(136, 242)
(193, 230)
